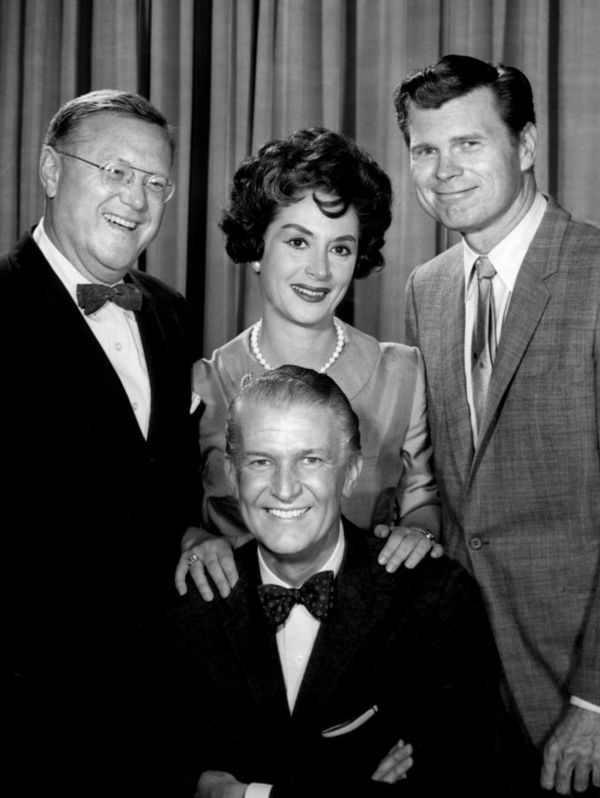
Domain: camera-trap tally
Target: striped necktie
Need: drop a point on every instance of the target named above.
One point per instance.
(483, 348)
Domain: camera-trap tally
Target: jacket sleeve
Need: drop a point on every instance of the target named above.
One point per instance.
(418, 496)
(585, 681)
(410, 313)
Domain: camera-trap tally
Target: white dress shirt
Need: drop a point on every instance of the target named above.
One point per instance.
(295, 640)
(115, 328)
(507, 258)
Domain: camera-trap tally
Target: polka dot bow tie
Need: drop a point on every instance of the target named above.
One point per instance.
(316, 594)
(91, 296)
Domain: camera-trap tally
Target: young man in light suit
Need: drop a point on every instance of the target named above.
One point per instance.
(314, 703)
(97, 453)
(511, 356)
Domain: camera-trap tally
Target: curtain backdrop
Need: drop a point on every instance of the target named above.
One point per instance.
(232, 74)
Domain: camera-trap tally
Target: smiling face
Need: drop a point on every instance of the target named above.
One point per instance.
(468, 170)
(308, 262)
(289, 477)
(102, 230)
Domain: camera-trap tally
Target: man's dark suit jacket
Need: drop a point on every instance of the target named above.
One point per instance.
(414, 644)
(91, 515)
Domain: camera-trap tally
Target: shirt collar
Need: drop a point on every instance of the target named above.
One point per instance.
(64, 270)
(333, 563)
(69, 276)
(508, 255)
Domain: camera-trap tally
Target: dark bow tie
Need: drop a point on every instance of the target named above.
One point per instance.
(316, 594)
(91, 296)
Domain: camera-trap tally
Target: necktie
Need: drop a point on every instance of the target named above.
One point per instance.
(316, 594)
(91, 296)
(483, 346)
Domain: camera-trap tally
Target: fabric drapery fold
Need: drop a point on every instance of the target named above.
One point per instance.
(231, 75)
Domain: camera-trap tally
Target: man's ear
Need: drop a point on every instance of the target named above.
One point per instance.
(352, 475)
(50, 169)
(231, 472)
(528, 139)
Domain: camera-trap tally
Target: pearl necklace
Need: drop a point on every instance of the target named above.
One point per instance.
(340, 341)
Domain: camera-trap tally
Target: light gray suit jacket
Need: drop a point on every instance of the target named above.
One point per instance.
(522, 511)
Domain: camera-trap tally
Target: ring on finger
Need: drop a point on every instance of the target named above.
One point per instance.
(429, 535)
(193, 558)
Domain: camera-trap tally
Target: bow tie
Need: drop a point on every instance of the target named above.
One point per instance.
(316, 594)
(91, 296)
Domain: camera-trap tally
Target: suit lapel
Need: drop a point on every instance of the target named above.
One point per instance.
(254, 644)
(452, 348)
(154, 344)
(354, 615)
(526, 309)
(73, 340)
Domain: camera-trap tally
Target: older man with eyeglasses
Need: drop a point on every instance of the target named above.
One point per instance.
(98, 450)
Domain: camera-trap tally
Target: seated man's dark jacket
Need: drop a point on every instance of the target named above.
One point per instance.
(415, 644)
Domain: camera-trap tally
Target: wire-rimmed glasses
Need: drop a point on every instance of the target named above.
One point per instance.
(115, 175)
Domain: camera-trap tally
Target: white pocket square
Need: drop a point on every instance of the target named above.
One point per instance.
(349, 725)
(196, 399)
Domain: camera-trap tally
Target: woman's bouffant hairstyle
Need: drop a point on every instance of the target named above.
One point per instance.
(310, 160)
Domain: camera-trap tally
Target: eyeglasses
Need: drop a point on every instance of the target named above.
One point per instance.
(115, 176)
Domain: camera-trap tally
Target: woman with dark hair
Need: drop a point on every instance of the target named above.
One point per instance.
(308, 214)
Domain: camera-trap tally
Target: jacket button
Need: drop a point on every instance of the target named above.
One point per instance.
(476, 544)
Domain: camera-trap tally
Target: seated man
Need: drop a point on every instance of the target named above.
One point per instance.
(308, 677)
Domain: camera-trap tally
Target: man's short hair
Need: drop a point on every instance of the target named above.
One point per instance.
(290, 386)
(66, 120)
(456, 75)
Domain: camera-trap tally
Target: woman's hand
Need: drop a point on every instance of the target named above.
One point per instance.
(395, 764)
(205, 553)
(406, 545)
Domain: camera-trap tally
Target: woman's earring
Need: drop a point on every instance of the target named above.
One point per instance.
(255, 265)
